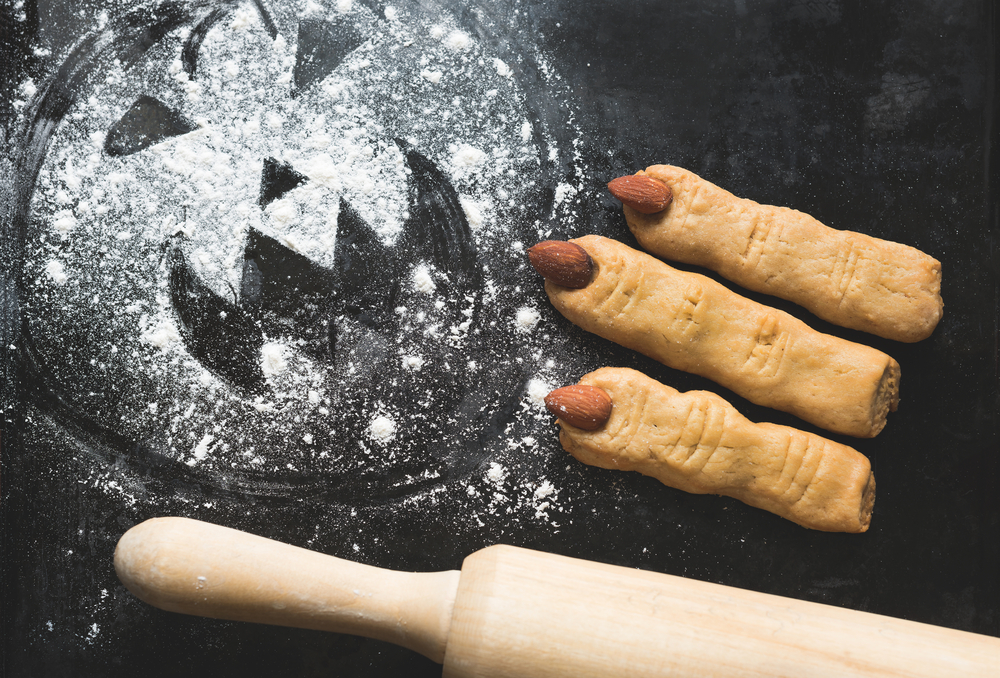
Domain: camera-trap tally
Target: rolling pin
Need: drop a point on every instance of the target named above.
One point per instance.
(516, 612)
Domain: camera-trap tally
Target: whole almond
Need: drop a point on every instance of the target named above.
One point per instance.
(564, 263)
(586, 407)
(641, 193)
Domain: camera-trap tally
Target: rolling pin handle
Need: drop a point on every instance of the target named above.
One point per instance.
(188, 566)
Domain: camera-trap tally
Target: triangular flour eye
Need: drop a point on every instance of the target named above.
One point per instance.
(322, 46)
(147, 122)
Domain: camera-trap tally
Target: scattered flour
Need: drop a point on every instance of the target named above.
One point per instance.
(423, 282)
(564, 192)
(473, 212)
(502, 68)
(273, 361)
(431, 76)
(382, 429)
(543, 499)
(161, 335)
(496, 474)
(57, 272)
(527, 318)
(458, 40)
(466, 156)
(282, 211)
(202, 449)
(64, 223)
(537, 390)
(413, 362)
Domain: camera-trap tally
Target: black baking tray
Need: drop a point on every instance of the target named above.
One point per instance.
(877, 117)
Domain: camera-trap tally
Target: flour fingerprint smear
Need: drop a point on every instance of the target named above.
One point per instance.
(283, 251)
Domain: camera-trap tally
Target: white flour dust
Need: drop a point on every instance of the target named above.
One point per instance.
(101, 224)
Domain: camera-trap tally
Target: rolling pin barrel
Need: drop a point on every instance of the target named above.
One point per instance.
(526, 613)
(513, 612)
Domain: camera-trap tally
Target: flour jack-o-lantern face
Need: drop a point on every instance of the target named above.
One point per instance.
(276, 245)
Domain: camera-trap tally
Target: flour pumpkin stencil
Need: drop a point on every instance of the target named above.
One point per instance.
(253, 246)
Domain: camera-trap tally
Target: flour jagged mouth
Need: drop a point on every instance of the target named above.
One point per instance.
(284, 292)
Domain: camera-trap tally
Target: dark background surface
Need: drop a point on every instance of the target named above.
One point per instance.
(879, 119)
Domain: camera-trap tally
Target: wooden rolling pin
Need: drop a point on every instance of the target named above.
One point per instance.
(515, 612)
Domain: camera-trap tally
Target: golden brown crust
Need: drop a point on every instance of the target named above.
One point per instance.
(697, 442)
(692, 323)
(847, 278)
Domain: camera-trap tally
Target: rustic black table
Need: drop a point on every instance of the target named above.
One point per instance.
(421, 439)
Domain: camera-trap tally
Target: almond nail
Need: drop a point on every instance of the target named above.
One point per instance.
(564, 263)
(641, 193)
(586, 407)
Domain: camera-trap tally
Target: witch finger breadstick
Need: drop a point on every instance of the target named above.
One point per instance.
(692, 323)
(847, 278)
(697, 442)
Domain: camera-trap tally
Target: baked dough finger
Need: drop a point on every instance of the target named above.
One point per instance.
(692, 323)
(847, 278)
(697, 442)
